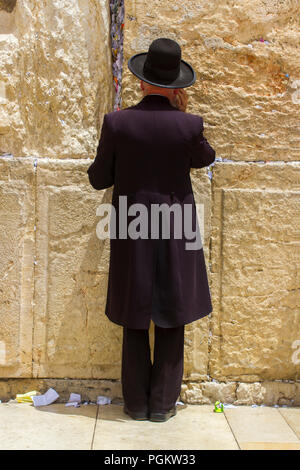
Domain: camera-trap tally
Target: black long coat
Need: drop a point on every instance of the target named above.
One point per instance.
(146, 151)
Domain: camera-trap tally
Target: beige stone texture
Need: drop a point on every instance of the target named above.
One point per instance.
(107, 428)
(250, 108)
(89, 389)
(280, 393)
(267, 393)
(72, 336)
(208, 392)
(255, 277)
(52, 427)
(261, 428)
(16, 267)
(253, 393)
(55, 69)
(297, 395)
(197, 333)
(7, 5)
(194, 427)
(292, 417)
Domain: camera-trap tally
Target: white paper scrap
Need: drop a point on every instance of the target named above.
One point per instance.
(103, 400)
(49, 397)
(73, 403)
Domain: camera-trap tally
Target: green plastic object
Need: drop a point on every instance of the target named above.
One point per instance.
(219, 408)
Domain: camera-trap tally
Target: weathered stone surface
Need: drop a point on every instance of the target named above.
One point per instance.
(197, 333)
(238, 393)
(7, 5)
(297, 394)
(55, 68)
(247, 394)
(258, 393)
(208, 392)
(88, 389)
(72, 336)
(280, 393)
(224, 392)
(196, 350)
(255, 258)
(267, 393)
(16, 266)
(250, 107)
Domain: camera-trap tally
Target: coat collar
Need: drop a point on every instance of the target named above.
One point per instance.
(155, 102)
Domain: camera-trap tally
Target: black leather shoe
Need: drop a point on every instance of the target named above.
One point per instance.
(160, 417)
(137, 415)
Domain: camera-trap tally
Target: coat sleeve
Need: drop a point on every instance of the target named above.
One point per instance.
(202, 154)
(102, 171)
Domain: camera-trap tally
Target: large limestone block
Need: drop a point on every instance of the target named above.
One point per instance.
(72, 336)
(197, 333)
(250, 107)
(268, 393)
(255, 272)
(208, 392)
(17, 181)
(55, 76)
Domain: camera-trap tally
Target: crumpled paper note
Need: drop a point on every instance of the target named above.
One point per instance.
(49, 397)
(74, 400)
(103, 400)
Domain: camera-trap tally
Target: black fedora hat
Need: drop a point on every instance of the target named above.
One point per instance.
(162, 65)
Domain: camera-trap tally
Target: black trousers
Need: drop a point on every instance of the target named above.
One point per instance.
(146, 386)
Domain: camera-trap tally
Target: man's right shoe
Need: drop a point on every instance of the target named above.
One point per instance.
(161, 417)
(137, 415)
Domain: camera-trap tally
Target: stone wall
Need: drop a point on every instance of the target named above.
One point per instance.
(55, 81)
(55, 86)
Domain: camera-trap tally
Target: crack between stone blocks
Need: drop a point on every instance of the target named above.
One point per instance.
(209, 341)
(283, 416)
(87, 160)
(232, 431)
(83, 291)
(34, 261)
(117, 8)
(95, 425)
(267, 162)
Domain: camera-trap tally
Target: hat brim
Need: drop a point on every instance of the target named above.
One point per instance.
(186, 77)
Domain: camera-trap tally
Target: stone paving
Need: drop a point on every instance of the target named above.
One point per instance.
(195, 427)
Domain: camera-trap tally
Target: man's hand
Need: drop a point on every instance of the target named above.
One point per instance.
(180, 99)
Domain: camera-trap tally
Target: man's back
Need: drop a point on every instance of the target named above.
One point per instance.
(150, 147)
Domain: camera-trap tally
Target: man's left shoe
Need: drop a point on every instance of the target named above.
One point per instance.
(137, 415)
(161, 417)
